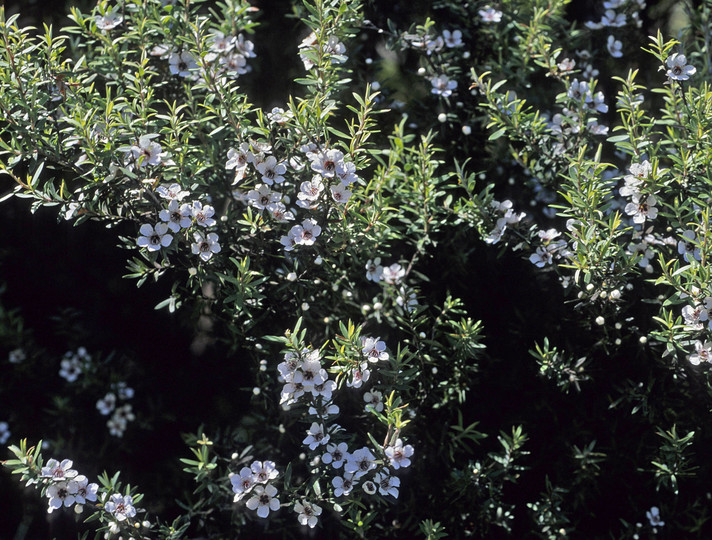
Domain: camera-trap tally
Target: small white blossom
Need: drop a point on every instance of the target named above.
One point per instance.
(615, 47)
(61, 493)
(653, 516)
(702, 353)
(316, 436)
(4, 432)
(374, 398)
(182, 63)
(489, 14)
(393, 274)
(264, 471)
(205, 246)
(374, 270)
(399, 455)
(107, 404)
(120, 506)
(336, 454)
(263, 500)
(58, 470)
(387, 484)
(679, 68)
(307, 513)
(443, 86)
(360, 462)
(242, 483)
(343, 484)
(154, 238)
(642, 207)
(374, 349)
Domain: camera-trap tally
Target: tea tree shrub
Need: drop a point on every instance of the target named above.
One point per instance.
(456, 276)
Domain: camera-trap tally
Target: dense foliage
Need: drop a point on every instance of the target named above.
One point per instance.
(428, 269)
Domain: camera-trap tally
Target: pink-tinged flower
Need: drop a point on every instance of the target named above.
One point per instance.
(58, 471)
(393, 274)
(490, 15)
(264, 471)
(452, 39)
(242, 483)
(679, 69)
(340, 194)
(172, 192)
(205, 246)
(147, 152)
(85, 490)
(108, 21)
(360, 462)
(203, 214)
(174, 216)
(61, 494)
(263, 500)
(374, 398)
(154, 238)
(399, 455)
(120, 506)
(374, 349)
(702, 353)
(327, 163)
(271, 171)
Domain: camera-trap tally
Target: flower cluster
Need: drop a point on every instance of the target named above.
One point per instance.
(255, 480)
(550, 249)
(637, 186)
(123, 414)
(74, 364)
(303, 374)
(177, 217)
(66, 487)
(508, 218)
(315, 46)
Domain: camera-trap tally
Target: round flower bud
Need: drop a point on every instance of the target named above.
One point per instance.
(466, 130)
(442, 118)
(600, 321)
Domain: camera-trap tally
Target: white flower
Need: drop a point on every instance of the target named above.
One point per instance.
(106, 404)
(307, 513)
(262, 196)
(279, 212)
(359, 375)
(489, 14)
(4, 432)
(346, 171)
(203, 214)
(639, 173)
(147, 152)
(653, 516)
(279, 116)
(340, 194)
(264, 500)
(597, 102)
(679, 69)
(612, 19)
(360, 462)
(393, 274)
(336, 454)
(16, 356)
(220, 44)
(154, 238)
(264, 471)
(205, 246)
(374, 398)
(399, 455)
(453, 39)
(242, 483)
(108, 21)
(327, 163)
(387, 484)
(316, 436)
(271, 171)
(642, 207)
(61, 493)
(374, 349)
(58, 471)
(71, 366)
(702, 353)
(120, 506)
(309, 192)
(687, 247)
(85, 490)
(578, 91)
(615, 47)
(306, 233)
(181, 63)
(442, 86)
(175, 217)
(374, 270)
(343, 484)
(245, 46)
(173, 192)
